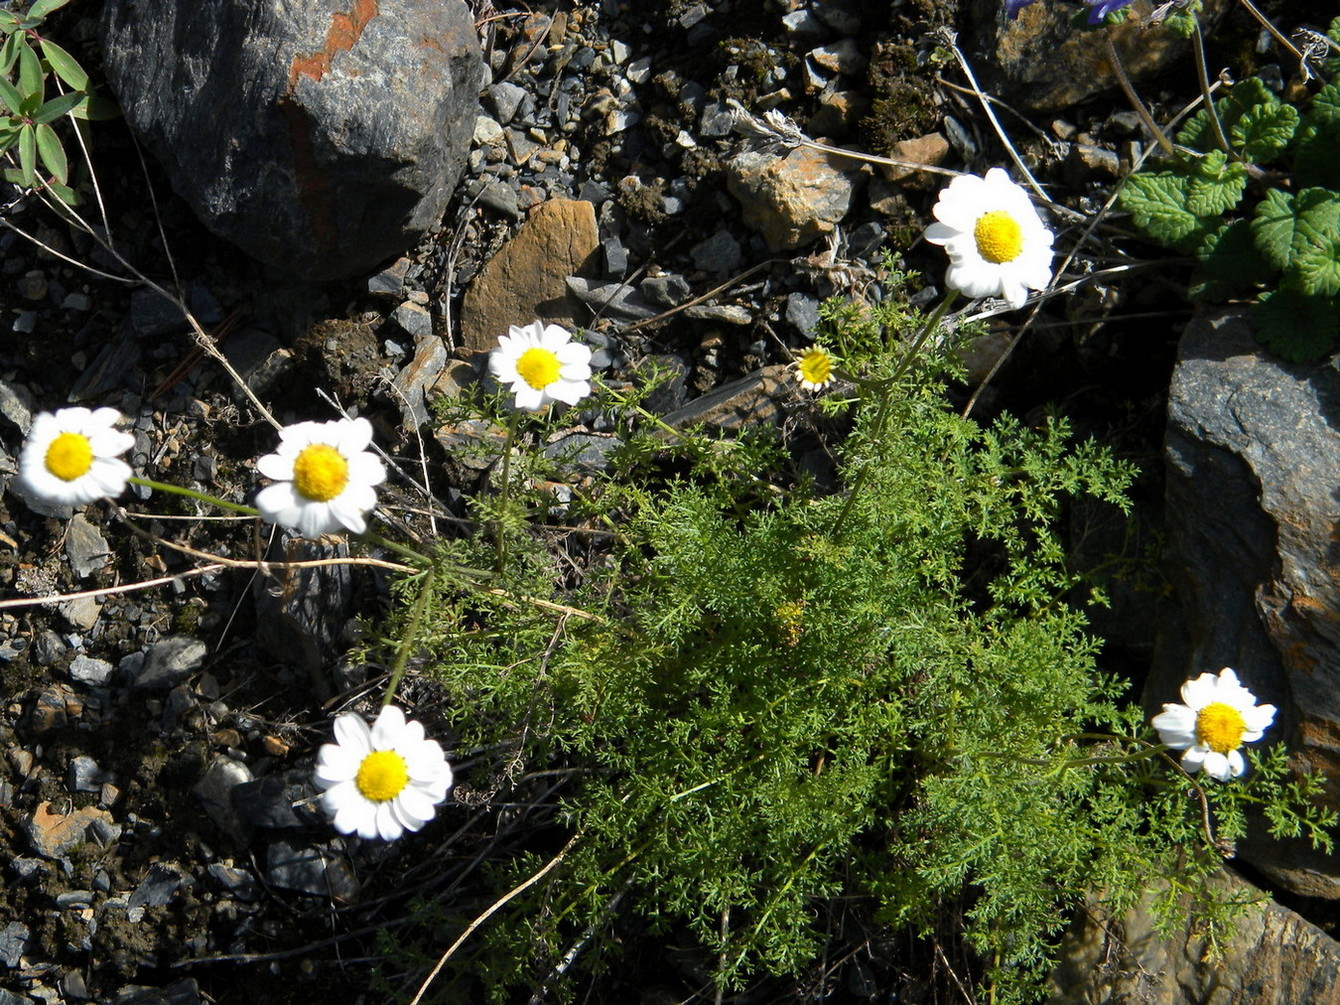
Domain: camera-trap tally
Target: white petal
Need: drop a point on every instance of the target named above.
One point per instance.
(1237, 764)
(1216, 766)
(353, 733)
(1194, 758)
(366, 469)
(387, 827)
(1200, 692)
(277, 466)
(388, 727)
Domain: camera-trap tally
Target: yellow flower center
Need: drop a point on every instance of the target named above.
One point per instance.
(320, 472)
(1220, 727)
(815, 367)
(383, 775)
(538, 367)
(999, 237)
(69, 456)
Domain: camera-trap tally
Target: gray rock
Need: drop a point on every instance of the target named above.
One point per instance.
(390, 281)
(280, 800)
(731, 314)
(300, 618)
(666, 291)
(413, 319)
(16, 405)
(1268, 956)
(587, 453)
(749, 401)
(418, 375)
(720, 253)
(495, 195)
(318, 141)
(1252, 459)
(258, 358)
(802, 311)
(86, 775)
(320, 870)
(214, 790)
(238, 882)
(183, 992)
(611, 298)
(505, 99)
(48, 647)
(794, 199)
(157, 888)
(803, 25)
(10, 998)
(85, 547)
(169, 661)
(81, 613)
(13, 941)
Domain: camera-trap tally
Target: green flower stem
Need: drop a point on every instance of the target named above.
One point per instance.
(505, 499)
(886, 390)
(411, 635)
(192, 494)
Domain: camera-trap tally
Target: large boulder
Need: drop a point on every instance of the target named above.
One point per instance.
(320, 136)
(1253, 525)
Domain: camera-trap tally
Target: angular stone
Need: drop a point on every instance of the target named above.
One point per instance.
(85, 547)
(169, 661)
(749, 401)
(1040, 62)
(1252, 510)
(420, 373)
(316, 869)
(214, 790)
(1268, 956)
(795, 199)
(527, 279)
(53, 834)
(321, 137)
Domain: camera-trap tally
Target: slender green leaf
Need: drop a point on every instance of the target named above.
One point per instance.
(13, 175)
(31, 79)
(58, 106)
(9, 52)
(28, 156)
(9, 135)
(52, 153)
(10, 95)
(64, 193)
(96, 108)
(64, 65)
(8, 21)
(42, 8)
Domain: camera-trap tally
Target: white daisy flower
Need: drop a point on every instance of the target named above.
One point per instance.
(996, 242)
(541, 364)
(814, 369)
(384, 780)
(1219, 716)
(71, 457)
(324, 475)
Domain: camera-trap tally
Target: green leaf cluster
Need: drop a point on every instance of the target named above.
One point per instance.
(1254, 195)
(782, 718)
(29, 65)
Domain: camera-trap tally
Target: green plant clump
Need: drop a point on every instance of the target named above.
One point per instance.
(1254, 194)
(784, 716)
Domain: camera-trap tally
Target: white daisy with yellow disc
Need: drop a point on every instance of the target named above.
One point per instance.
(997, 244)
(1218, 717)
(324, 475)
(815, 368)
(383, 780)
(541, 364)
(72, 457)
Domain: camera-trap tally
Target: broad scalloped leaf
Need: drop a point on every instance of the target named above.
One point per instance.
(1298, 328)
(1157, 202)
(1315, 266)
(1325, 105)
(1242, 96)
(1273, 227)
(1216, 185)
(1316, 156)
(1263, 132)
(1287, 225)
(1230, 263)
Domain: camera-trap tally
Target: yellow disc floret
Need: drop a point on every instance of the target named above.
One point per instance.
(999, 237)
(320, 472)
(1220, 727)
(815, 367)
(70, 456)
(383, 775)
(538, 367)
